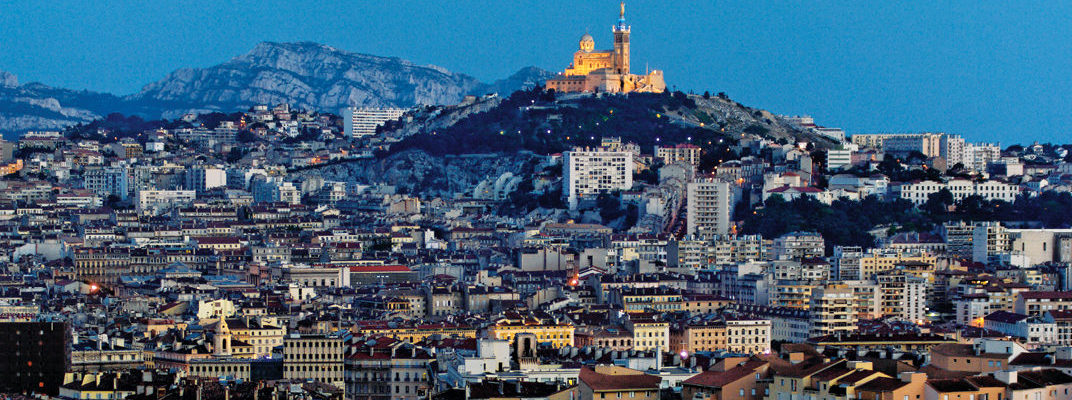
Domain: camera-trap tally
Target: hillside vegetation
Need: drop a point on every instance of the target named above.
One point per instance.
(545, 122)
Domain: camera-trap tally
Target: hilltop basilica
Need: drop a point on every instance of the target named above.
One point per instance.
(606, 71)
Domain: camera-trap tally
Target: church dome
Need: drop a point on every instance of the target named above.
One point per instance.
(588, 43)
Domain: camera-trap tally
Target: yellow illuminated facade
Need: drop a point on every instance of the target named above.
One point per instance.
(607, 70)
(415, 334)
(559, 335)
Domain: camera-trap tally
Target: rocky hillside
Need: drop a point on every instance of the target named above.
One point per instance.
(318, 77)
(418, 172)
(305, 75)
(545, 123)
(36, 106)
(453, 148)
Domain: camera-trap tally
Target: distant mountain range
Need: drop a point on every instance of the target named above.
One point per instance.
(306, 75)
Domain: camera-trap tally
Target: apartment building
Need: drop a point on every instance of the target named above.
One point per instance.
(709, 204)
(384, 368)
(1037, 303)
(649, 333)
(832, 309)
(590, 171)
(798, 245)
(558, 334)
(919, 192)
(317, 357)
(876, 261)
(107, 181)
(363, 121)
(150, 201)
(201, 179)
(903, 295)
(683, 153)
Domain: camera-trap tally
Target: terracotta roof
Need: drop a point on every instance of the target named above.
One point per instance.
(831, 373)
(856, 377)
(951, 385)
(379, 268)
(985, 381)
(1046, 295)
(1005, 317)
(881, 384)
(716, 379)
(605, 382)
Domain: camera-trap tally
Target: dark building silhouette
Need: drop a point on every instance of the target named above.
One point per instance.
(34, 356)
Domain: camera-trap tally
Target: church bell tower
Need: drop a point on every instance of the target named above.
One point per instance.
(621, 44)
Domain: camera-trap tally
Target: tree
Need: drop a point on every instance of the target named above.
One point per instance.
(937, 204)
(235, 154)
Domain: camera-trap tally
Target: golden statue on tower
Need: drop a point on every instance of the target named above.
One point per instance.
(606, 71)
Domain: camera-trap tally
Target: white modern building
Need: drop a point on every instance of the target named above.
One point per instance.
(709, 204)
(982, 154)
(682, 153)
(918, 192)
(954, 149)
(274, 190)
(838, 159)
(364, 121)
(150, 200)
(107, 181)
(201, 179)
(926, 143)
(590, 171)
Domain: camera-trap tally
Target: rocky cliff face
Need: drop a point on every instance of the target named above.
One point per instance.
(306, 75)
(417, 172)
(309, 76)
(34, 106)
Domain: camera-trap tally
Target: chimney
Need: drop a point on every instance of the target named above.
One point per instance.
(911, 377)
(1008, 377)
(796, 357)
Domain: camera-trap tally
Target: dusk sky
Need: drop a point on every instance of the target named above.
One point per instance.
(990, 71)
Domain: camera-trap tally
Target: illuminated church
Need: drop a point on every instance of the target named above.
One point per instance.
(606, 71)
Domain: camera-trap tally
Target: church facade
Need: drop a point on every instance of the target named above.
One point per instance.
(606, 71)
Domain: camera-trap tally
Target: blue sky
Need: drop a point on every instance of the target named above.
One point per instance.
(991, 71)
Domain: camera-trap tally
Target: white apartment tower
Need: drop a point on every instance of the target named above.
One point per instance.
(981, 154)
(953, 149)
(990, 240)
(590, 171)
(364, 121)
(682, 153)
(709, 203)
(107, 181)
(201, 179)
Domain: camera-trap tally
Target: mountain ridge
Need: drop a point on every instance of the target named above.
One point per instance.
(304, 74)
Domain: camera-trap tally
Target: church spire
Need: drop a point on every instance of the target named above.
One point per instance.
(621, 26)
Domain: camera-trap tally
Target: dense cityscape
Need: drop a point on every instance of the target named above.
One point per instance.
(590, 235)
